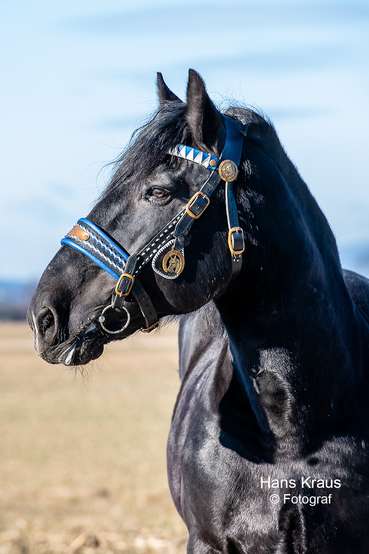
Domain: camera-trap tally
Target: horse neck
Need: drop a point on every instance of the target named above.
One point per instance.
(289, 316)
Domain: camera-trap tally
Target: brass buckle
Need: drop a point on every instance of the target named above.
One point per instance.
(192, 201)
(231, 245)
(130, 279)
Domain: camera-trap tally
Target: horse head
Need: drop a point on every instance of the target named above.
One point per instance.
(157, 187)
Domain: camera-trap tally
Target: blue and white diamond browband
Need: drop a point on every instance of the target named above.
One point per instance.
(210, 161)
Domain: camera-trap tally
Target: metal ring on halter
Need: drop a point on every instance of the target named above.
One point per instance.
(102, 319)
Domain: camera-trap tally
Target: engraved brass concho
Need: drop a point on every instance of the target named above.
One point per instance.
(77, 232)
(173, 262)
(228, 171)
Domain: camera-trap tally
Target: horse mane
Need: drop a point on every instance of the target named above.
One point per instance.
(149, 145)
(263, 131)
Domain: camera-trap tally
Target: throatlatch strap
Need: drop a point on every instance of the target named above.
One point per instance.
(235, 239)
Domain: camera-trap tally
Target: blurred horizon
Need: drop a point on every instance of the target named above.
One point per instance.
(78, 79)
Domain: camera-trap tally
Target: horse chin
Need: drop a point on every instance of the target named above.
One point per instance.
(83, 353)
(77, 350)
(86, 345)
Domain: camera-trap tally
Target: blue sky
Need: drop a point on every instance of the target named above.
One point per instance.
(79, 77)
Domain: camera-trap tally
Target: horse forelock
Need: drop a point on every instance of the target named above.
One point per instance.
(149, 145)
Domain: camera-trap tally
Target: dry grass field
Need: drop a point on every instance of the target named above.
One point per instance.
(82, 459)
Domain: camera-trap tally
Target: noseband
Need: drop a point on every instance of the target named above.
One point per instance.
(165, 251)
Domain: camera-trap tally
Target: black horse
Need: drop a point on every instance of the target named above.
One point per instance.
(268, 450)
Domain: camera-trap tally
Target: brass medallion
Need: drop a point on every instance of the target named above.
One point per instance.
(77, 232)
(173, 262)
(228, 171)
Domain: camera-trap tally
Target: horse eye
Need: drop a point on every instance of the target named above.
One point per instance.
(159, 194)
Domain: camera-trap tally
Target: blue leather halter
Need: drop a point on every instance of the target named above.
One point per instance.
(89, 239)
(165, 250)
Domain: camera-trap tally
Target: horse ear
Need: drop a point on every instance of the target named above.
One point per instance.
(164, 92)
(205, 121)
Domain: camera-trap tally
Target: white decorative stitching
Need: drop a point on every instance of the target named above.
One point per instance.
(106, 247)
(101, 254)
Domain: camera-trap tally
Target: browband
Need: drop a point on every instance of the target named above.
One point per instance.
(165, 250)
(210, 161)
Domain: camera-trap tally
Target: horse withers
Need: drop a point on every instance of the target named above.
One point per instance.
(268, 445)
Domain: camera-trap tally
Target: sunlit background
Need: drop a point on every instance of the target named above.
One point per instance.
(82, 465)
(79, 77)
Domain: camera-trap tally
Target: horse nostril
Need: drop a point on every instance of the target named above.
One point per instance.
(46, 322)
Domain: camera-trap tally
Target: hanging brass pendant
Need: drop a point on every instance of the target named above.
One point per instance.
(173, 262)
